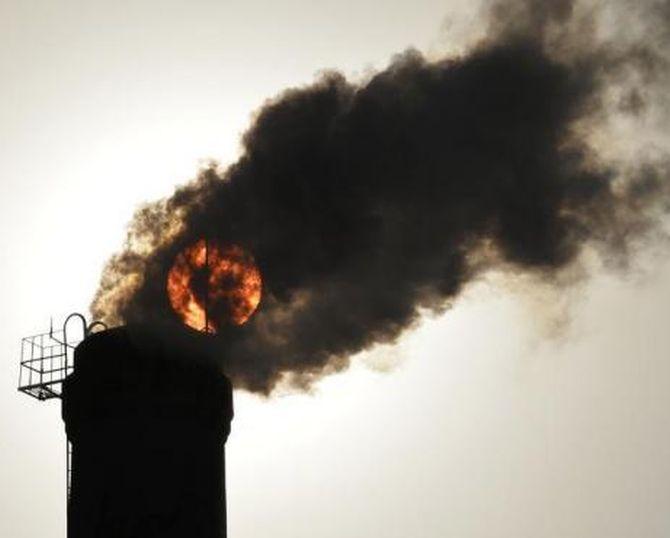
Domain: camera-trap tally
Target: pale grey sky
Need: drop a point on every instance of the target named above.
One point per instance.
(485, 428)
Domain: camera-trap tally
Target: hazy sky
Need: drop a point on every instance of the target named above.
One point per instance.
(489, 425)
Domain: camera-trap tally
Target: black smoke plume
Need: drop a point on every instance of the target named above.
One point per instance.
(367, 203)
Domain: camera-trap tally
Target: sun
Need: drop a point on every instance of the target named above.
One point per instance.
(211, 285)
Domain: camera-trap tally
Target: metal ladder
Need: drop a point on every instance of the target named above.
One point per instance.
(68, 466)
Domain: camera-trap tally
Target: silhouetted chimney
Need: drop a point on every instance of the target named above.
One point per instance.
(148, 417)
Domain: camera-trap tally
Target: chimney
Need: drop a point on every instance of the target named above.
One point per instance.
(147, 416)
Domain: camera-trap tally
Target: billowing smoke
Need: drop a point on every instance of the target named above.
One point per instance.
(366, 203)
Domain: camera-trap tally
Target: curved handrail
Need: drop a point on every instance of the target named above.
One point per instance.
(87, 329)
(95, 324)
(67, 320)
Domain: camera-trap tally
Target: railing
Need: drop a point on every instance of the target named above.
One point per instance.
(46, 360)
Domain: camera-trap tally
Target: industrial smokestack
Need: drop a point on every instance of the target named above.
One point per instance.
(148, 416)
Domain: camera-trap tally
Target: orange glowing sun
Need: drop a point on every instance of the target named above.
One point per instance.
(211, 285)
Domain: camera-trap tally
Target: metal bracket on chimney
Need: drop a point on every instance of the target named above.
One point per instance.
(46, 358)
